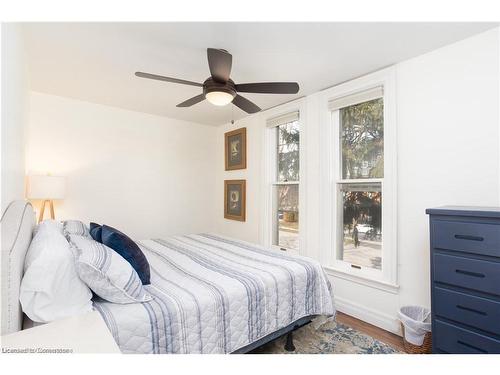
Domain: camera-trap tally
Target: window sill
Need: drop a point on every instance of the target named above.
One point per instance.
(372, 283)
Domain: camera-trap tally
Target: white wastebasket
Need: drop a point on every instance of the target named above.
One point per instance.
(416, 321)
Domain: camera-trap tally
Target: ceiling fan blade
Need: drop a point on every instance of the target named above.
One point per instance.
(194, 100)
(245, 104)
(167, 79)
(219, 62)
(269, 87)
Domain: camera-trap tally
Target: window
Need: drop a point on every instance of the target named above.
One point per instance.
(362, 140)
(361, 211)
(285, 184)
(359, 178)
(358, 190)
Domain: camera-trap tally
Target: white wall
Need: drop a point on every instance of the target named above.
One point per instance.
(14, 113)
(448, 153)
(147, 175)
(448, 144)
(248, 230)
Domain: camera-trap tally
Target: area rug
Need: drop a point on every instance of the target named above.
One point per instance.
(329, 338)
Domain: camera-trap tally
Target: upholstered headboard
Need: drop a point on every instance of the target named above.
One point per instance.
(17, 225)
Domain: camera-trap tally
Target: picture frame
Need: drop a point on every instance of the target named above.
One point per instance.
(235, 200)
(235, 144)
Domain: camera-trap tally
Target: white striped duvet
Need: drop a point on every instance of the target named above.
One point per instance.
(212, 294)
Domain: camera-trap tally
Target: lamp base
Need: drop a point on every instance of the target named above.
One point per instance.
(42, 210)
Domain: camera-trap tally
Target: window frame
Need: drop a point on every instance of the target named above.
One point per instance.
(269, 224)
(330, 150)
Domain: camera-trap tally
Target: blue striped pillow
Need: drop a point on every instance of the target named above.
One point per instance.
(105, 272)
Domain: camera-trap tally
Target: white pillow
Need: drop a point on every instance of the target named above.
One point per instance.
(75, 227)
(52, 224)
(107, 273)
(50, 288)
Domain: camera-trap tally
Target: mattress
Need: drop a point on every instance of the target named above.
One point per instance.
(214, 294)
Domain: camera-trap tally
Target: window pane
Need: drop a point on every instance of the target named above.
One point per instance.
(288, 151)
(362, 224)
(362, 137)
(287, 199)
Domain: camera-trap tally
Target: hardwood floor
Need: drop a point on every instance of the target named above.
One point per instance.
(378, 333)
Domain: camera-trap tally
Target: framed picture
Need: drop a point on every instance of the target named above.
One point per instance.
(235, 143)
(235, 199)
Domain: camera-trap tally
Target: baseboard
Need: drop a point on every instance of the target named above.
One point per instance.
(377, 318)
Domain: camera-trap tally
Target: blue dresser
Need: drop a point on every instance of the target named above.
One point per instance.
(465, 279)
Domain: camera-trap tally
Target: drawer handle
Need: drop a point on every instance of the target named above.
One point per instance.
(469, 273)
(471, 346)
(468, 238)
(471, 310)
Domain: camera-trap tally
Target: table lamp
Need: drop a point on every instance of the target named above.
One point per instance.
(46, 188)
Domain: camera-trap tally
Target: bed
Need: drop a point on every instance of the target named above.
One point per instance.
(212, 294)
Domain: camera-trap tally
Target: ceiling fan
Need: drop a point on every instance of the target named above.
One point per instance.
(220, 90)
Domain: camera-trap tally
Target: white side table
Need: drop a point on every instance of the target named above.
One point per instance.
(86, 333)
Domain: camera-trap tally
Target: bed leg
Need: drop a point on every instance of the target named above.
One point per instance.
(289, 347)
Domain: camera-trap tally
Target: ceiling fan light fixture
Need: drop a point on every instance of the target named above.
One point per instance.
(219, 98)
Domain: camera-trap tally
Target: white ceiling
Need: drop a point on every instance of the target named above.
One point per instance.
(96, 62)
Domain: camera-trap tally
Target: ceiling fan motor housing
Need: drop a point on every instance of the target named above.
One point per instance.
(211, 85)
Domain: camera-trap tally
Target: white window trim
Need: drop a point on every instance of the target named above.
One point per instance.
(372, 283)
(329, 157)
(269, 181)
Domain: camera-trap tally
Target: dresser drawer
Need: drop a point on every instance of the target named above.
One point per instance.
(453, 339)
(475, 311)
(474, 238)
(480, 275)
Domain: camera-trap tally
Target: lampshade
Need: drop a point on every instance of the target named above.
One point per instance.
(219, 98)
(46, 187)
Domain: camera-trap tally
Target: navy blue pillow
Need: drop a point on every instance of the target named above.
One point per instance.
(128, 249)
(96, 232)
